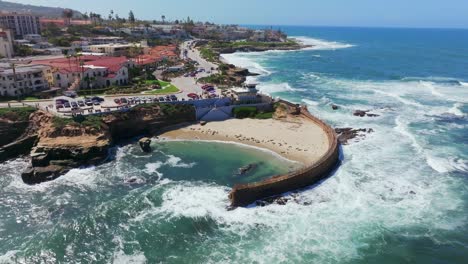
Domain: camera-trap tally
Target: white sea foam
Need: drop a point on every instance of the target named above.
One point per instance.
(320, 44)
(456, 110)
(244, 60)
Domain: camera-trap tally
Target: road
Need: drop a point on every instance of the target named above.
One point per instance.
(189, 84)
(186, 85)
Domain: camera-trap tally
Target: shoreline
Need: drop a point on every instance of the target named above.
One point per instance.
(295, 139)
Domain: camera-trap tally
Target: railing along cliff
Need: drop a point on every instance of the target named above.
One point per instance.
(245, 194)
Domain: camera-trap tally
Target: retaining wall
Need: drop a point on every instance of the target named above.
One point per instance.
(245, 194)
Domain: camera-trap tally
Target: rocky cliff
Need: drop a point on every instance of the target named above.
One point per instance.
(57, 145)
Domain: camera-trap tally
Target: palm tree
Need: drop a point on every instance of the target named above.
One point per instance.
(13, 67)
(163, 18)
(67, 16)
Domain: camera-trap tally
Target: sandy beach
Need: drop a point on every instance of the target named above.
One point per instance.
(296, 138)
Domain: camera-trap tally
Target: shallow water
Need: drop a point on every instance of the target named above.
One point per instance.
(400, 195)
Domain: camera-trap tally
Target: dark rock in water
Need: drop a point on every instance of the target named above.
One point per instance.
(334, 107)
(134, 180)
(244, 170)
(145, 144)
(42, 174)
(280, 200)
(362, 113)
(346, 134)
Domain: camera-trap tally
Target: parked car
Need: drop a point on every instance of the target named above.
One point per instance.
(88, 102)
(96, 102)
(81, 103)
(117, 101)
(124, 101)
(97, 98)
(161, 99)
(59, 106)
(66, 105)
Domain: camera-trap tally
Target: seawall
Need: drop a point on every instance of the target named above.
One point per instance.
(245, 194)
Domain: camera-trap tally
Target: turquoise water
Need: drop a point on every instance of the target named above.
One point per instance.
(400, 195)
(139, 207)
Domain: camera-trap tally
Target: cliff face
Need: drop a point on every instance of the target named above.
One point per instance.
(11, 130)
(147, 119)
(61, 148)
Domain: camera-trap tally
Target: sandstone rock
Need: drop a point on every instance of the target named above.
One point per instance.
(334, 107)
(145, 144)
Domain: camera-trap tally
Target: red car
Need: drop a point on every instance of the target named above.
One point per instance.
(192, 95)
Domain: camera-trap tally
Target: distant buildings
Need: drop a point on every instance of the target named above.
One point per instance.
(157, 54)
(20, 24)
(22, 80)
(63, 22)
(6, 43)
(118, 49)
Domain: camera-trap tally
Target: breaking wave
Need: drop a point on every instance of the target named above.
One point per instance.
(320, 44)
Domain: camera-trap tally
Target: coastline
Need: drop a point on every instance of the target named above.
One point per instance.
(295, 138)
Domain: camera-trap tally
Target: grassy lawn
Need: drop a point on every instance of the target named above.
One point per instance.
(166, 87)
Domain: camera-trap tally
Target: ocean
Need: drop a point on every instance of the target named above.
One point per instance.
(399, 196)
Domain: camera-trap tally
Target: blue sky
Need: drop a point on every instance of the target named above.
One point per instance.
(370, 13)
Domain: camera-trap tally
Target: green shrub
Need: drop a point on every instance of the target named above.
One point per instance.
(17, 113)
(244, 112)
(78, 121)
(60, 123)
(266, 115)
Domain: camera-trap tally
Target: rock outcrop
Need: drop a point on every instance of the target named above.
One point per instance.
(59, 145)
(345, 135)
(145, 144)
(362, 113)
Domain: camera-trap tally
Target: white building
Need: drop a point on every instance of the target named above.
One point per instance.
(36, 38)
(29, 79)
(6, 43)
(118, 49)
(20, 24)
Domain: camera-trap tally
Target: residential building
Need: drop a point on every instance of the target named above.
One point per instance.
(157, 54)
(6, 43)
(105, 40)
(116, 49)
(63, 22)
(87, 71)
(35, 38)
(20, 24)
(22, 80)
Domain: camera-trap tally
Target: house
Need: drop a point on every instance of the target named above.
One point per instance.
(157, 54)
(20, 24)
(87, 71)
(117, 49)
(20, 80)
(34, 38)
(6, 43)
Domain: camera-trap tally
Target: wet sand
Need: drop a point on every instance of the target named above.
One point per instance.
(296, 138)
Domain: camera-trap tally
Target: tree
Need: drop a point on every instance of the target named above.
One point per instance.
(131, 17)
(67, 15)
(111, 14)
(176, 21)
(163, 18)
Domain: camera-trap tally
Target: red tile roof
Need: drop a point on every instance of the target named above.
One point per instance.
(157, 54)
(65, 65)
